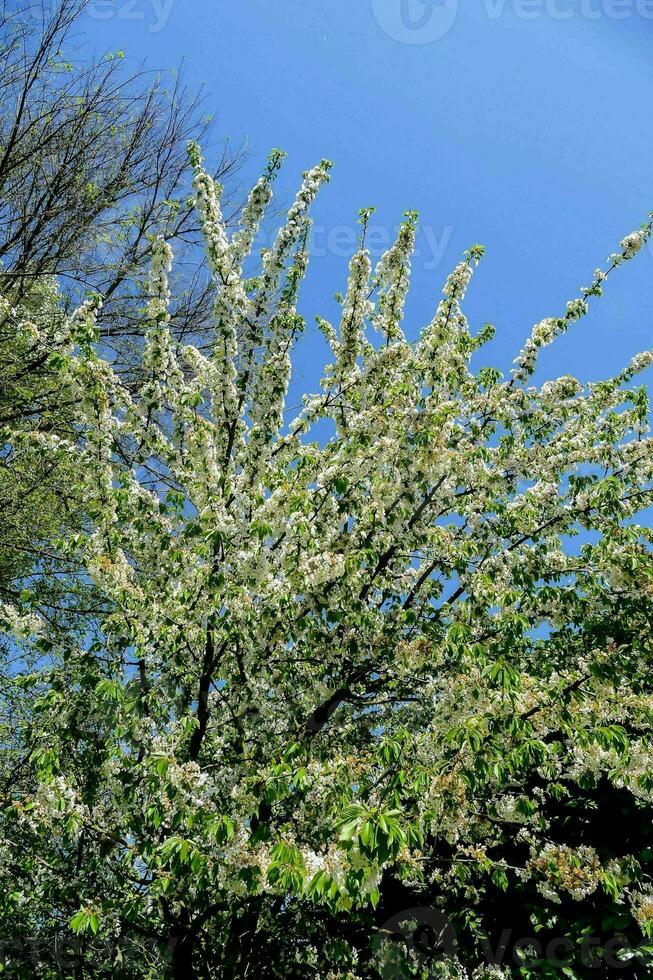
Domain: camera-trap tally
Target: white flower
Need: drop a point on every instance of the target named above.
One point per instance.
(319, 569)
(22, 625)
(641, 904)
(633, 243)
(576, 308)
(159, 289)
(641, 361)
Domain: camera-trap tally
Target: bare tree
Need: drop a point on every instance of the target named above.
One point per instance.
(92, 166)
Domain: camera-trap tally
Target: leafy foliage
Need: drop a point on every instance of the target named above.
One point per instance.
(333, 682)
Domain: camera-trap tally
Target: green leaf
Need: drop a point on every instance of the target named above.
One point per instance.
(80, 922)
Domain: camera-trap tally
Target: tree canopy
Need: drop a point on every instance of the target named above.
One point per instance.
(304, 690)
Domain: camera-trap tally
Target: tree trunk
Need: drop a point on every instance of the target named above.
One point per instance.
(180, 948)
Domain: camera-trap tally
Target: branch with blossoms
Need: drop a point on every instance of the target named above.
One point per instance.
(362, 658)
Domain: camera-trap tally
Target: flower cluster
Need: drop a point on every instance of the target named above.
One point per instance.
(577, 872)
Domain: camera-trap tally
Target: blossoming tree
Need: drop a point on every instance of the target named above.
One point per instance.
(331, 682)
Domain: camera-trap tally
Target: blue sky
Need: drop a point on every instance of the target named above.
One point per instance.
(524, 126)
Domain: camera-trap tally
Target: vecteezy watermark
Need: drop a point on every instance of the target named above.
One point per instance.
(153, 14)
(567, 9)
(426, 21)
(341, 241)
(425, 936)
(415, 21)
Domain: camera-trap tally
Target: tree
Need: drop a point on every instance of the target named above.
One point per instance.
(337, 684)
(36, 492)
(92, 163)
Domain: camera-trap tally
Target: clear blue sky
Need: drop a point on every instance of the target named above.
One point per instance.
(531, 134)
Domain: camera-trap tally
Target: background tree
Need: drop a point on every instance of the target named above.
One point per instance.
(92, 164)
(334, 682)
